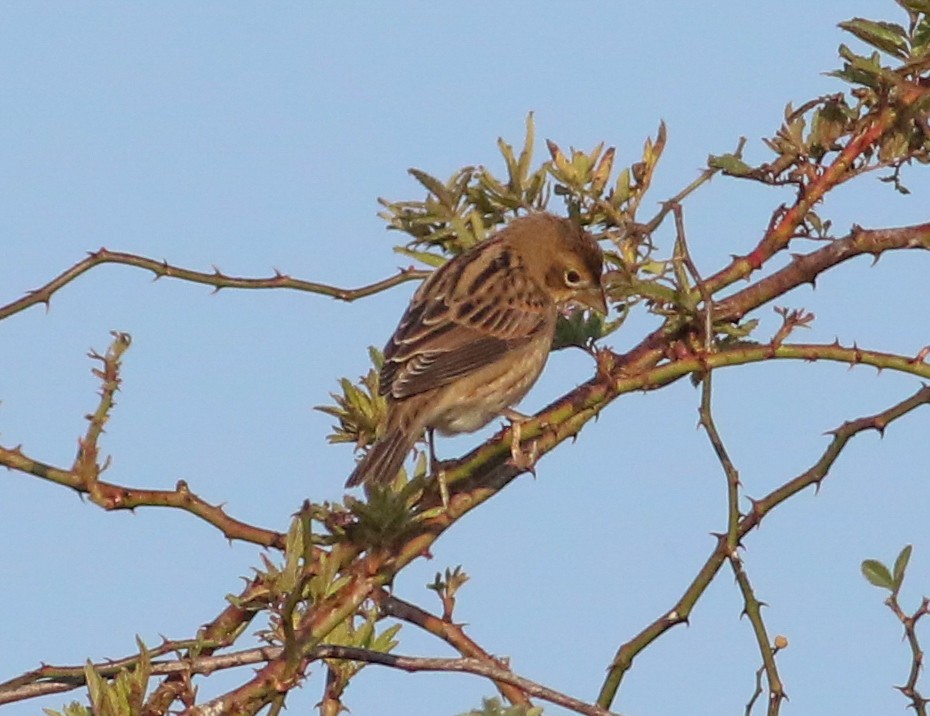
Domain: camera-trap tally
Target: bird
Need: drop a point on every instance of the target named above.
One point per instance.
(477, 334)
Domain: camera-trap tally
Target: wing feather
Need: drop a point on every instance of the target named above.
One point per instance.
(469, 313)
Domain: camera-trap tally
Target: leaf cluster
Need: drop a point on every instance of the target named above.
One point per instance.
(878, 574)
(115, 696)
(821, 128)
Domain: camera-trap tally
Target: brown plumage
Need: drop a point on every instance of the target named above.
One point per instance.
(477, 334)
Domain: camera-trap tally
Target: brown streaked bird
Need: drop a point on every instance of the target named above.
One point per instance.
(477, 334)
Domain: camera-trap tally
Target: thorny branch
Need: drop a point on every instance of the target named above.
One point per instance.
(681, 610)
(216, 279)
(453, 634)
(72, 677)
(909, 622)
(665, 356)
(84, 475)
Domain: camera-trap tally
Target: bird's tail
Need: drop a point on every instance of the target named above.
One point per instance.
(384, 459)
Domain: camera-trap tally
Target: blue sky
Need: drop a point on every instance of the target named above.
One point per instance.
(253, 137)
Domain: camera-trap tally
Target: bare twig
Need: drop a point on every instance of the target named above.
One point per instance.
(805, 268)
(216, 279)
(209, 664)
(452, 634)
(909, 622)
(729, 469)
(752, 607)
(111, 496)
(84, 475)
(681, 610)
(753, 610)
(757, 692)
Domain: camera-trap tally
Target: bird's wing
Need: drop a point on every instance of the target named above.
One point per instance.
(467, 315)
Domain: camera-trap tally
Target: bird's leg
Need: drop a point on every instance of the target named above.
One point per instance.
(520, 459)
(432, 451)
(436, 468)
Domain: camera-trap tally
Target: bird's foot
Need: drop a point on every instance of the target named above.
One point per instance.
(443, 486)
(524, 460)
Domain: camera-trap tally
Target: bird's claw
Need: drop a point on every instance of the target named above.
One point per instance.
(443, 487)
(522, 460)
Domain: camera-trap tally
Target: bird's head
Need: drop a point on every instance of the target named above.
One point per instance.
(564, 259)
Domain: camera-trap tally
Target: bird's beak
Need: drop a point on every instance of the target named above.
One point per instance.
(594, 298)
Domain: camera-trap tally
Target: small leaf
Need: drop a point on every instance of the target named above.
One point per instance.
(513, 172)
(425, 257)
(433, 185)
(578, 328)
(602, 171)
(921, 36)
(729, 163)
(622, 189)
(877, 574)
(915, 5)
(526, 155)
(900, 566)
(885, 36)
(565, 170)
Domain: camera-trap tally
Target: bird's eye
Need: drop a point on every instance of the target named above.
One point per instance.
(572, 278)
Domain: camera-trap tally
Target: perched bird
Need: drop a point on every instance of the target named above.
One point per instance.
(477, 334)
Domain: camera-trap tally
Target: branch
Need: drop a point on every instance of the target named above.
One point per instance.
(110, 496)
(753, 610)
(452, 634)
(752, 607)
(84, 475)
(681, 610)
(909, 622)
(207, 664)
(785, 227)
(220, 632)
(729, 469)
(807, 267)
(217, 279)
(464, 665)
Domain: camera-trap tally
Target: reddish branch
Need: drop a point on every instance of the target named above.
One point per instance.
(662, 358)
(805, 268)
(785, 228)
(110, 496)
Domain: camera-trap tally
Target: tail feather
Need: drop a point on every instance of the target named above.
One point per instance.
(384, 459)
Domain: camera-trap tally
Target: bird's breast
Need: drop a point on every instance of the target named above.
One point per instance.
(473, 401)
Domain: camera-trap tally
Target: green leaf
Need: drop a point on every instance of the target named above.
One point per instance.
(580, 329)
(512, 171)
(602, 171)
(900, 566)
(885, 36)
(623, 188)
(877, 574)
(921, 38)
(915, 5)
(730, 164)
(526, 155)
(433, 185)
(425, 257)
(859, 70)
